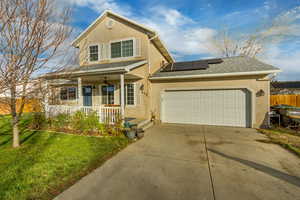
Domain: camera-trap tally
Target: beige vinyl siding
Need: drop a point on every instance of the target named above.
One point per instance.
(102, 35)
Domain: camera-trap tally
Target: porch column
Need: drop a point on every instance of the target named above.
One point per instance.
(80, 97)
(122, 96)
(47, 89)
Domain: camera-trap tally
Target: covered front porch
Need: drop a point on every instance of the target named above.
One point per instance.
(108, 93)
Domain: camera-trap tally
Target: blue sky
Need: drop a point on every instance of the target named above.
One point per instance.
(187, 26)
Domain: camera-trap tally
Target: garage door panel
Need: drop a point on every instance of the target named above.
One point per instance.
(211, 107)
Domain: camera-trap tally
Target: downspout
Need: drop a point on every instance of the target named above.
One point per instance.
(149, 110)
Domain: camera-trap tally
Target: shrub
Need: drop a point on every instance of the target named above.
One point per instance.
(35, 120)
(102, 129)
(87, 124)
(78, 121)
(92, 122)
(60, 121)
(117, 128)
(38, 121)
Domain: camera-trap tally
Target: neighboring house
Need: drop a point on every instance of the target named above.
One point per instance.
(285, 87)
(125, 67)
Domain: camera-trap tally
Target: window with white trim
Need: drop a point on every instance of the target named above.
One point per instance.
(129, 94)
(68, 93)
(121, 49)
(108, 94)
(93, 53)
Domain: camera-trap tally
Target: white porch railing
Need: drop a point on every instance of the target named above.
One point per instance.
(106, 114)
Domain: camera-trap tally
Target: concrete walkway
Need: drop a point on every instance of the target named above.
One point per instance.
(194, 162)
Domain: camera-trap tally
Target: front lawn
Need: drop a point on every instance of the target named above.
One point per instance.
(286, 138)
(48, 162)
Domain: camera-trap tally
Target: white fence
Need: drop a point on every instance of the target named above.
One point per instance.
(105, 114)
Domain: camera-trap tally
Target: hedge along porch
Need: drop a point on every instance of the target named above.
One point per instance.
(109, 91)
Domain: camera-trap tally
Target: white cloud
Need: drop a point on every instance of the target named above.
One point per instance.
(101, 5)
(285, 55)
(170, 16)
(269, 5)
(287, 61)
(285, 24)
(180, 33)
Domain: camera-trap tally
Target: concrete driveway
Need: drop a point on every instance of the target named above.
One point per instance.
(194, 162)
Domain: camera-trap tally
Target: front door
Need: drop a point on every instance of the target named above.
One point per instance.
(87, 92)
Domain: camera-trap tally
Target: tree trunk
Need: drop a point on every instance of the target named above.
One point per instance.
(16, 139)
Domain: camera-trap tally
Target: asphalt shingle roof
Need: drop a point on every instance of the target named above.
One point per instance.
(229, 65)
(104, 66)
(90, 68)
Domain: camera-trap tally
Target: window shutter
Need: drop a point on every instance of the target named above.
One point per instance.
(87, 54)
(102, 52)
(108, 56)
(137, 93)
(137, 47)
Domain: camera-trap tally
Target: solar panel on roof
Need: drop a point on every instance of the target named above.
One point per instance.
(195, 65)
(192, 65)
(214, 61)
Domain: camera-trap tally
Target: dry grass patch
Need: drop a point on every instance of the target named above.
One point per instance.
(286, 138)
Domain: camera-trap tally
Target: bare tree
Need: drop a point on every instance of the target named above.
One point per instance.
(228, 44)
(31, 33)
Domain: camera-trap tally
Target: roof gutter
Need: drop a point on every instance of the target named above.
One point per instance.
(214, 75)
(156, 39)
(152, 38)
(134, 65)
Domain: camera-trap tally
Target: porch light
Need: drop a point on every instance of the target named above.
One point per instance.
(142, 87)
(260, 93)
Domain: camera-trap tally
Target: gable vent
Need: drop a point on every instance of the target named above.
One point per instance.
(109, 24)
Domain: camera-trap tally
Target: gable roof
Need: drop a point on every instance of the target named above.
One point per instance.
(286, 84)
(232, 66)
(151, 33)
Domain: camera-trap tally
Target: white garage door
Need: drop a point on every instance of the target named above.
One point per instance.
(211, 107)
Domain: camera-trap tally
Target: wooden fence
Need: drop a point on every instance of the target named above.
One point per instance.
(33, 105)
(292, 100)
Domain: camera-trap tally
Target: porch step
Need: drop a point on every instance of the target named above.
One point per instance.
(144, 125)
(148, 125)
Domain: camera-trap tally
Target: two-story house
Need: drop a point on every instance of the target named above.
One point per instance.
(125, 68)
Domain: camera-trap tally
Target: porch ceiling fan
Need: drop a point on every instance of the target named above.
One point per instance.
(105, 81)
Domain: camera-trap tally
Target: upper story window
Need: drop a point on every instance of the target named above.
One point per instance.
(94, 53)
(121, 49)
(68, 93)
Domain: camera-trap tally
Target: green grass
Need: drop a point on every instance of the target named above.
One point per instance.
(286, 138)
(47, 163)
